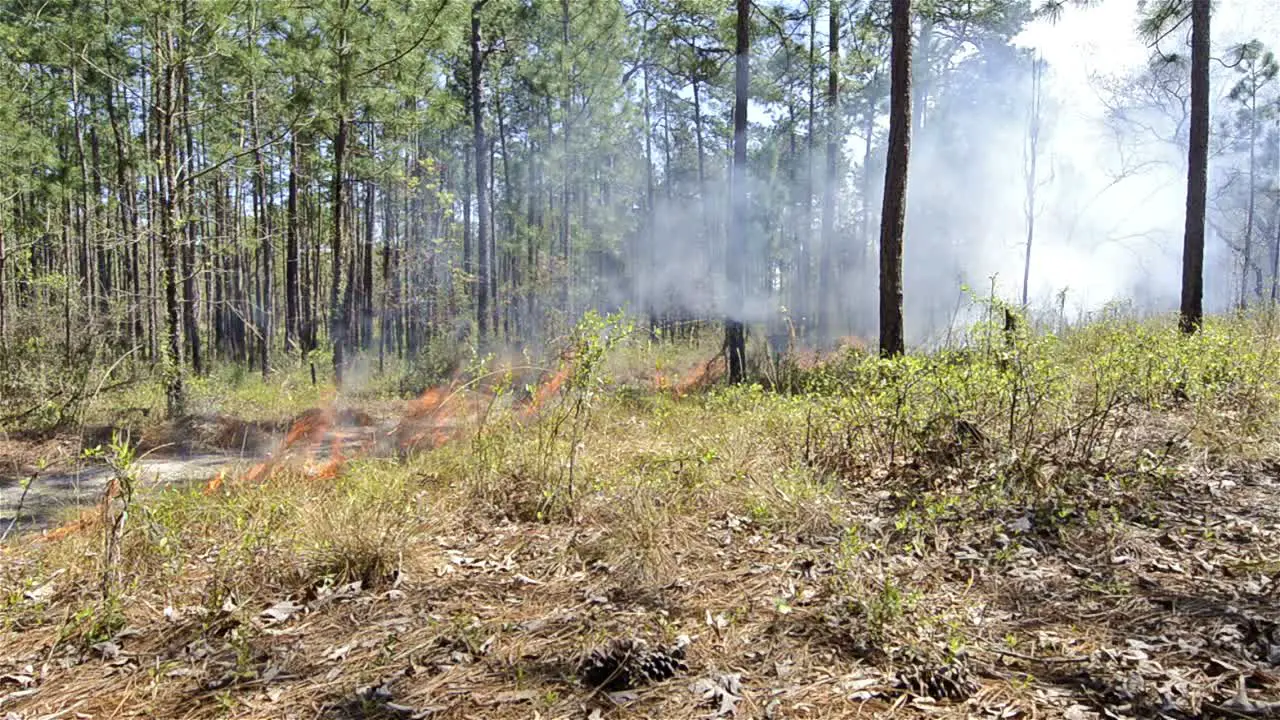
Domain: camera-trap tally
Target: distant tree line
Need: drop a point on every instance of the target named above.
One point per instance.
(240, 182)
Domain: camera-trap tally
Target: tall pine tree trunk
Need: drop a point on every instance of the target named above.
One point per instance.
(184, 204)
(648, 291)
(826, 284)
(366, 269)
(1249, 214)
(169, 232)
(337, 309)
(291, 293)
(264, 230)
(894, 209)
(735, 333)
(481, 152)
(1275, 241)
(4, 294)
(566, 292)
(1192, 311)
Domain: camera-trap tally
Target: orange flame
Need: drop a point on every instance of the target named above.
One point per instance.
(88, 518)
(547, 389)
(428, 403)
(699, 379)
(329, 469)
(215, 483)
(309, 426)
(259, 471)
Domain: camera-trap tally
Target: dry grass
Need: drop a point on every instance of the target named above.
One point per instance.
(1134, 581)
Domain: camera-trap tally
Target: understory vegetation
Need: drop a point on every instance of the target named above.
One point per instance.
(1080, 524)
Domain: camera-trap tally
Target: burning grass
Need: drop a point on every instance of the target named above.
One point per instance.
(844, 551)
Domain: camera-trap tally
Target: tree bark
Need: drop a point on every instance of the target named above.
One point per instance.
(174, 390)
(893, 214)
(184, 205)
(4, 308)
(1253, 191)
(481, 151)
(366, 270)
(264, 230)
(735, 335)
(337, 309)
(810, 304)
(1275, 245)
(826, 289)
(291, 296)
(647, 291)
(1033, 157)
(566, 292)
(1192, 311)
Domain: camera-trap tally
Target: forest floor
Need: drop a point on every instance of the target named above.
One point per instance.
(1079, 528)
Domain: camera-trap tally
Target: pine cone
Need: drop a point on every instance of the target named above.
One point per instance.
(951, 681)
(629, 663)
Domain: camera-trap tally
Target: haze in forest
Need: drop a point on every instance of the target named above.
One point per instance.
(435, 179)
(1110, 189)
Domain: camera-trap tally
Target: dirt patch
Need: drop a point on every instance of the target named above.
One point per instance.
(37, 501)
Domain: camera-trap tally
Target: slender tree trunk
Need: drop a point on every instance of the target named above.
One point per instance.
(66, 264)
(1249, 215)
(826, 288)
(169, 232)
(703, 200)
(1033, 157)
(893, 214)
(1192, 311)
(337, 309)
(735, 333)
(308, 277)
(511, 208)
(184, 205)
(867, 205)
(291, 251)
(648, 290)
(566, 289)
(262, 191)
(481, 151)
(86, 223)
(101, 250)
(468, 266)
(4, 294)
(128, 218)
(810, 307)
(1275, 245)
(921, 69)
